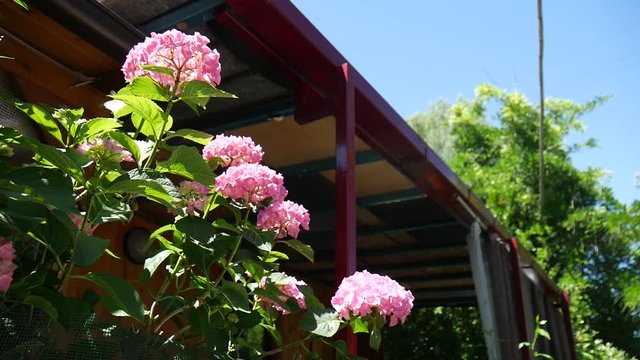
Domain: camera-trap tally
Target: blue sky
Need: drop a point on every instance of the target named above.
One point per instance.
(415, 52)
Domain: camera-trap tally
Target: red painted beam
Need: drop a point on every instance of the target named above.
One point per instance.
(292, 36)
(345, 258)
(516, 286)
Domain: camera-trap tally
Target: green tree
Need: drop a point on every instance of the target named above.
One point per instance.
(586, 239)
(434, 126)
(437, 333)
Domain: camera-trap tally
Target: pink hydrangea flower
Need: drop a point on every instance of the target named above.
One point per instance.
(232, 150)
(285, 217)
(7, 267)
(290, 290)
(363, 292)
(251, 183)
(77, 220)
(104, 150)
(187, 55)
(194, 196)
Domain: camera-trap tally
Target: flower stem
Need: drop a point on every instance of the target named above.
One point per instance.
(282, 348)
(165, 118)
(233, 254)
(163, 288)
(172, 314)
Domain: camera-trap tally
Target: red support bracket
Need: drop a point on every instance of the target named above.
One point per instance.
(516, 286)
(345, 258)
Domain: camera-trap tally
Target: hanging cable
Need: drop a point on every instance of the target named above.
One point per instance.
(541, 131)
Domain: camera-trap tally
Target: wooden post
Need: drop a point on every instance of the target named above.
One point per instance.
(482, 284)
(345, 257)
(516, 278)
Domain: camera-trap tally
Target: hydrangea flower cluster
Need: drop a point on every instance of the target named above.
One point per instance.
(290, 290)
(188, 56)
(247, 181)
(104, 150)
(232, 151)
(194, 196)
(252, 183)
(363, 292)
(284, 217)
(7, 267)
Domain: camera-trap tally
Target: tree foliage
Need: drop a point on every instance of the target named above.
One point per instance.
(586, 239)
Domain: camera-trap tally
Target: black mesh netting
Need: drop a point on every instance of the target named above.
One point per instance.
(32, 335)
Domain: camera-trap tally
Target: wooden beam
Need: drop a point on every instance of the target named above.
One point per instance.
(444, 295)
(192, 14)
(362, 157)
(441, 283)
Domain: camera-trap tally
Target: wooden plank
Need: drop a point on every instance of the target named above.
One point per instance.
(30, 67)
(53, 39)
(483, 285)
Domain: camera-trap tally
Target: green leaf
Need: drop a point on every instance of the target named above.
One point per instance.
(88, 249)
(57, 158)
(147, 188)
(320, 322)
(212, 327)
(96, 127)
(199, 92)
(196, 228)
(248, 321)
(57, 232)
(147, 116)
(186, 161)
(41, 115)
(151, 264)
(272, 293)
(262, 239)
(157, 177)
(106, 207)
(237, 295)
(118, 108)
(544, 333)
(48, 184)
(375, 339)
(146, 87)
(310, 299)
(302, 248)
(120, 298)
(158, 69)
(128, 144)
(274, 255)
(34, 280)
(22, 3)
(196, 136)
(359, 325)
(43, 304)
(225, 225)
(157, 235)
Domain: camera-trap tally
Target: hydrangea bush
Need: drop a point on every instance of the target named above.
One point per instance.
(218, 260)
